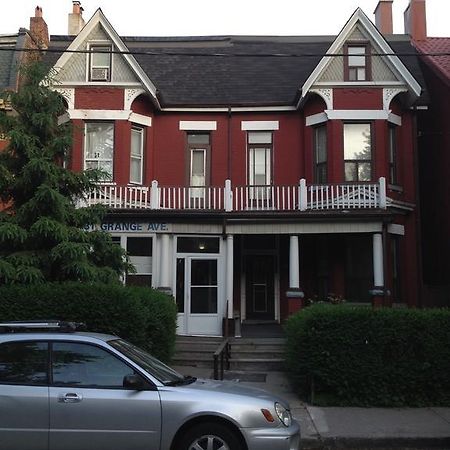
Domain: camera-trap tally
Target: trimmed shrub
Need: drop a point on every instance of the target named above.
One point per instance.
(357, 356)
(135, 314)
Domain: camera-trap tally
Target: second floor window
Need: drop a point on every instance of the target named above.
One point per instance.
(99, 147)
(357, 63)
(100, 63)
(320, 154)
(259, 158)
(198, 156)
(357, 151)
(136, 155)
(393, 178)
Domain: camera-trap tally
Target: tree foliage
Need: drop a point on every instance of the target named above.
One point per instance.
(44, 229)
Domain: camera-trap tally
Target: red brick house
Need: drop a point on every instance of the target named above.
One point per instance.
(249, 174)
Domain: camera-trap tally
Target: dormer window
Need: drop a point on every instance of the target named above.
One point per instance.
(100, 63)
(357, 62)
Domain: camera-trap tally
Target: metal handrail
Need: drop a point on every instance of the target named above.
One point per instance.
(222, 359)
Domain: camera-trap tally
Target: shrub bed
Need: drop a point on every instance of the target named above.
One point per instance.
(357, 356)
(141, 315)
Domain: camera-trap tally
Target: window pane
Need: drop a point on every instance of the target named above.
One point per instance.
(180, 285)
(361, 74)
(24, 363)
(99, 140)
(194, 138)
(198, 245)
(352, 74)
(135, 171)
(204, 300)
(357, 141)
(260, 137)
(356, 61)
(350, 172)
(364, 172)
(136, 142)
(101, 59)
(198, 165)
(86, 365)
(139, 246)
(204, 272)
(321, 144)
(259, 160)
(139, 280)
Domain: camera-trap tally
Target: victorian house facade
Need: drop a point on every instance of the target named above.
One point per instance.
(248, 175)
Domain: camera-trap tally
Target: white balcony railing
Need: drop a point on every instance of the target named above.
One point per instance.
(243, 198)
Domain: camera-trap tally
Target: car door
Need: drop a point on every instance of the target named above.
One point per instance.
(24, 395)
(90, 408)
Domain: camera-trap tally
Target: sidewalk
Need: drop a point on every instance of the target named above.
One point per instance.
(356, 428)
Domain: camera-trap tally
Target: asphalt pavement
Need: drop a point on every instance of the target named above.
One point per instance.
(354, 428)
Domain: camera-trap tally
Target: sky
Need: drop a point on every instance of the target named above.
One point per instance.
(213, 17)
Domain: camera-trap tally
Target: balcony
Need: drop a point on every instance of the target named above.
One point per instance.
(301, 197)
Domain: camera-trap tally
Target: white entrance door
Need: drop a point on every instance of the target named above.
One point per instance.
(203, 304)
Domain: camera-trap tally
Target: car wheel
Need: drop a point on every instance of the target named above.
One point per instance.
(210, 436)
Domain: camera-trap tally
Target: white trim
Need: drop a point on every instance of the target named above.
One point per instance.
(394, 228)
(198, 125)
(358, 83)
(68, 94)
(140, 119)
(357, 114)
(99, 114)
(259, 125)
(395, 119)
(233, 109)
(82, 37)
(393, 61)
(130, 94)
(326, 94)
(314, 119)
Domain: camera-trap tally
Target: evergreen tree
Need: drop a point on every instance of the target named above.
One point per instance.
(44, 233)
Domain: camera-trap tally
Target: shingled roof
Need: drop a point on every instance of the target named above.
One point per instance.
(233, 70)
(430, 48)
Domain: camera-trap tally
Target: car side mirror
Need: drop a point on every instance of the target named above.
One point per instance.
(134, 382)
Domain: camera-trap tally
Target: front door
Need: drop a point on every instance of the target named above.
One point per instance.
(260, 295)
(198, 295)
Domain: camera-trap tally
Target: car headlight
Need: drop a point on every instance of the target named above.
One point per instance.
(283, 414)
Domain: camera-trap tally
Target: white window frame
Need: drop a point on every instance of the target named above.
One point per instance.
(89, 61)
(140, 157)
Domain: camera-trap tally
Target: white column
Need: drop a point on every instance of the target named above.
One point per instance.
(378, 275)
(165, 261)
(229, 284)
(294, 265)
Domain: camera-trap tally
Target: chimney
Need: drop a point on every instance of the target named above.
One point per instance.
(383, 16)
(39, 29)
(76, 21)
(416, 20)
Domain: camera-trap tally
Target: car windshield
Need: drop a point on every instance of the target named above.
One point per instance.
(149, 363)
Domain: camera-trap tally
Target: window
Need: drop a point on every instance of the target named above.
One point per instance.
(259, 163)
(357, 62)
(100, 63)
(198, 153)
(136, 155)
(393, 155)
(204, 286)
(99, 147)
(357, 152)
(320, 154)
(198, 245)
(140, 251)
(24, 363)
(86, 365)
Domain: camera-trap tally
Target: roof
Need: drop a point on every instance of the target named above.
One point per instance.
(8, 44)
(440, 63)
(233, 70)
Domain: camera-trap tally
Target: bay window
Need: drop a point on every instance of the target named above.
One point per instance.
(320, 154)
(357, 151)
(136, 155)
(99, 147)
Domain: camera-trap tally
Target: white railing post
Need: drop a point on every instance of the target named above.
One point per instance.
(228, 196)
(154, 195)
(382, 192)
(302, 195)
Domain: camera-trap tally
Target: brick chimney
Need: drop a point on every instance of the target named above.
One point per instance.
(76, 21)
(39, 29)
(416, 20)
(383, 16)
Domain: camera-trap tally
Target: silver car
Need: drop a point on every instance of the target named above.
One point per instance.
(61, 389)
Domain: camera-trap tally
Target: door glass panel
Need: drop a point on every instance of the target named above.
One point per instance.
(180, 284)
(24, 363)
(260, 297)
(204, 286)
(86, 365)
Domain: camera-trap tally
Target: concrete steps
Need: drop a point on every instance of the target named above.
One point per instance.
(195, 351)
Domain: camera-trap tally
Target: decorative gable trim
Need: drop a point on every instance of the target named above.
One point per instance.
(393, 61)
(99, 18)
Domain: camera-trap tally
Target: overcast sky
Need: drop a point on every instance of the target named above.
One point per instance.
(214, 17)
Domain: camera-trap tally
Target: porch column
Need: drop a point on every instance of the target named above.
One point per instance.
(164, 284)
(378, 270)
(294, 294)
(229, 285)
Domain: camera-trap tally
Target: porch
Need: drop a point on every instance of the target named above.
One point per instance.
(300, 197)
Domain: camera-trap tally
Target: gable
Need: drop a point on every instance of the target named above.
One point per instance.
(381, 72)
(75, 68)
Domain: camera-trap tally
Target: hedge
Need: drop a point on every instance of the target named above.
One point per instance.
(143, 316)
(359, 356)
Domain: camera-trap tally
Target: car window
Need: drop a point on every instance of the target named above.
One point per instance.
(76, 364)
(24, 363)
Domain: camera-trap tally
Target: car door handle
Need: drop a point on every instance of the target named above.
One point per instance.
(70, 397)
